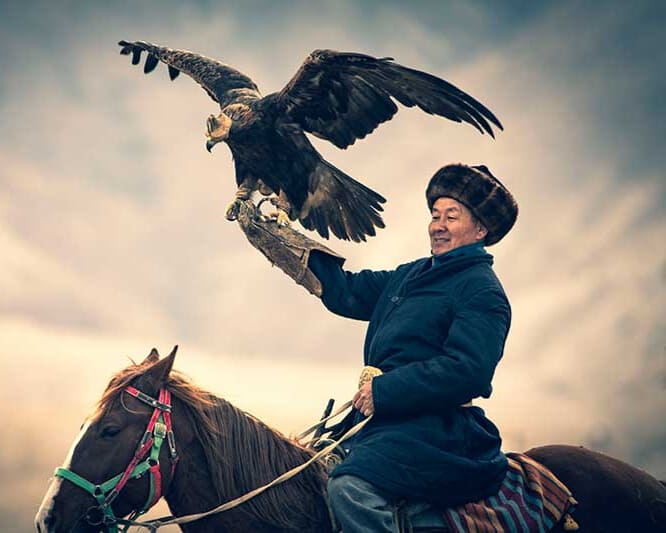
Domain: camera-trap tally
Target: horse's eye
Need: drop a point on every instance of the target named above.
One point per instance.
(109, 431)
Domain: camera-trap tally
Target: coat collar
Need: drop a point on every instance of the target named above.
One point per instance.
(445, 264)
(473, 249)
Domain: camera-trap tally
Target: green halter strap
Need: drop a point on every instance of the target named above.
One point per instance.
(146, 459)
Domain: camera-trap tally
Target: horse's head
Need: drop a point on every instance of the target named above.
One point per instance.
(123, 458)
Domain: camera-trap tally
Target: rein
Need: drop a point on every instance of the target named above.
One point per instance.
(146, 459)
(153, 525)
(158, 427)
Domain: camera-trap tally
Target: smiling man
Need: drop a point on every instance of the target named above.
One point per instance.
(453, 225)
(437, 328)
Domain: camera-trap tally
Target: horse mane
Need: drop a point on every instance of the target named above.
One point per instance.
(242, 453)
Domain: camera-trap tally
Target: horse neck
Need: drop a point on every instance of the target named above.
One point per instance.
(246, 454)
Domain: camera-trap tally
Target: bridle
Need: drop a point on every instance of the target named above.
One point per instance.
(146, 459)
(150, 444)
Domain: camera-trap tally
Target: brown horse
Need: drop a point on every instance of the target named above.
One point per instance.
(126, 457)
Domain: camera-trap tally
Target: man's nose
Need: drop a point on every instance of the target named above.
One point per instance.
(439, 225)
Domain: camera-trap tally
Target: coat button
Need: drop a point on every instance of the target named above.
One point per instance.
(395, 299)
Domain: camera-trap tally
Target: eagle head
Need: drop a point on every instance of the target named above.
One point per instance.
(217, 129)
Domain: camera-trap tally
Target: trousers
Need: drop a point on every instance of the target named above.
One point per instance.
(360, 507)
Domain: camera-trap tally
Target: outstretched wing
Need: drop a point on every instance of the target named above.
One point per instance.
(224, 84)
(342, 97)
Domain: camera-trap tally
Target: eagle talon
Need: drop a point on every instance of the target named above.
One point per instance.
(232, 209)
(262, 201)
(282, 218)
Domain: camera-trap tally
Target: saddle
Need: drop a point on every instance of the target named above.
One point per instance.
(530, 499)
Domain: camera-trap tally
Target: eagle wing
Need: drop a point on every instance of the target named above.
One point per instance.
(223, 84)
(342, 97)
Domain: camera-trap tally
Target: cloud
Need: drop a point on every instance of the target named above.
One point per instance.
(113, 236)
(44, 421)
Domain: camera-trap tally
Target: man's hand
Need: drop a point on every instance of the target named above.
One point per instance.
(363, 399)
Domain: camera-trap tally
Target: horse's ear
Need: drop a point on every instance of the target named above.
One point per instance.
(152, 357)
(161, 369)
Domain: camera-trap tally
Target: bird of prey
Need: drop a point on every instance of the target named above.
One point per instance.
(337, 96)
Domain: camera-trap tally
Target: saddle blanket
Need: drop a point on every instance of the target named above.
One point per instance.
(530, 500)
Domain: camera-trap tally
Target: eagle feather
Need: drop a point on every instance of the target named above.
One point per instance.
(337, 96)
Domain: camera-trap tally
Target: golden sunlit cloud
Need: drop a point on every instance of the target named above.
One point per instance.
(113, 237)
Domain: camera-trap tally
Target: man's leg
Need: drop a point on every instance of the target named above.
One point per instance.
(423, 517)
(359, 506)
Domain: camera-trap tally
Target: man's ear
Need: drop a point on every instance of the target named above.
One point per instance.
(481, 232)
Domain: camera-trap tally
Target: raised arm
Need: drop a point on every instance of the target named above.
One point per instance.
(352, 295)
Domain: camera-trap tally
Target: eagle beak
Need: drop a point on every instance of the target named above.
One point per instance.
(210, 143)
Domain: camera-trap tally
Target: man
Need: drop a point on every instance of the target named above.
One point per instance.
(437, 328)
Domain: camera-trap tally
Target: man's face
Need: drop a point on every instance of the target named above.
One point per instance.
(452, 226)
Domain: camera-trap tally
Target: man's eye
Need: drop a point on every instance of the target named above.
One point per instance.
(451, 218)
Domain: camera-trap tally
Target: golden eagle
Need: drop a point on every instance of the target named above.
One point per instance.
(336, 96)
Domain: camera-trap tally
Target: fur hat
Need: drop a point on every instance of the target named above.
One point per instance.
(482, 193)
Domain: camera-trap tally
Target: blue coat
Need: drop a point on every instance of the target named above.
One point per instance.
(437, 333)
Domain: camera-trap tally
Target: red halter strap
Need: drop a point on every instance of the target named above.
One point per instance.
(161, 406)
(145, 459)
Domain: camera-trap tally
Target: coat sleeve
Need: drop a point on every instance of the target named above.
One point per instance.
(348, 294)
(463, 371)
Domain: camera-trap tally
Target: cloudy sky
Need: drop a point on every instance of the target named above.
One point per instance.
(113, 239)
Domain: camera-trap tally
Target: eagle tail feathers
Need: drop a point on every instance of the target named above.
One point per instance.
(339, 203)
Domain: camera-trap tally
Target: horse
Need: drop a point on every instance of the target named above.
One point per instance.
(177, 441)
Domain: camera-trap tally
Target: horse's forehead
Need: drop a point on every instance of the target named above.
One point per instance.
(48, 502)
(110, 403)
(70, 454)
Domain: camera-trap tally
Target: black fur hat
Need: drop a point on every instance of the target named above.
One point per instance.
(482, 193)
